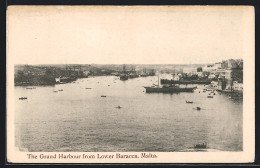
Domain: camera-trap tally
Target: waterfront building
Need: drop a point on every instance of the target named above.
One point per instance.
(213, 85)
(57, 80)
(167, 76)
(86, 73)
(209, 68)
(237, 86)
(212, 68)
(200, 74)
(211, 76)
(218, 65)
(176, 78)
(231, 79)
(225, 80)
(190, 70)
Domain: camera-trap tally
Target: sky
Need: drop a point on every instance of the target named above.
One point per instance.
(127, 35)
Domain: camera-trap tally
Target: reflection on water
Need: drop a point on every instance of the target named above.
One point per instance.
(78, 119)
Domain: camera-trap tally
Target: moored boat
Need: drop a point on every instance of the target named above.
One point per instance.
(22, 98)
(200, 146)
(124, 77)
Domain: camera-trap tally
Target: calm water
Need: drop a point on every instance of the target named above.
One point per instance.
(80, 120)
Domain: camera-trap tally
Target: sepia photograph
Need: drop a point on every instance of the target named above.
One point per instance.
(130, 84)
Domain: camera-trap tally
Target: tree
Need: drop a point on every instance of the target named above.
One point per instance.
(199, 69)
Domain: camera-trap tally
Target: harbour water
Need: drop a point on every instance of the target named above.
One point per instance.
(80, 120)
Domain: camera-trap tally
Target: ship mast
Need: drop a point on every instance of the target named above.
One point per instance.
(124, 68)
(158, 81)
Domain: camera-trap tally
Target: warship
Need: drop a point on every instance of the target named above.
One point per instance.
(168, 88)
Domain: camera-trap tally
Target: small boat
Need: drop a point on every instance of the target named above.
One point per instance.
(88, 88)
(119, 107)
(61, 90)
(197, 108)
(22, 98)
(55, 91)
(200, 146)
(210, 96)
(29, 88)
(189, 101)
(103, 96)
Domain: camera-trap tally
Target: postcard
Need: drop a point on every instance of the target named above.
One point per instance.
(130, 84)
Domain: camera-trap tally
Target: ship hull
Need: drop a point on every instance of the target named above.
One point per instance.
(124, 77)
(167, 90)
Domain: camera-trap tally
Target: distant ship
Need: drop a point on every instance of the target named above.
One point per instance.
(123, 77)
(133, 75)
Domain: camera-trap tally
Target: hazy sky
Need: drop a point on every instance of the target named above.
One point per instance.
(117, 35)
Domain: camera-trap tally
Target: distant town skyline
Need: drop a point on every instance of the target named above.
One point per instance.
(127, 35)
